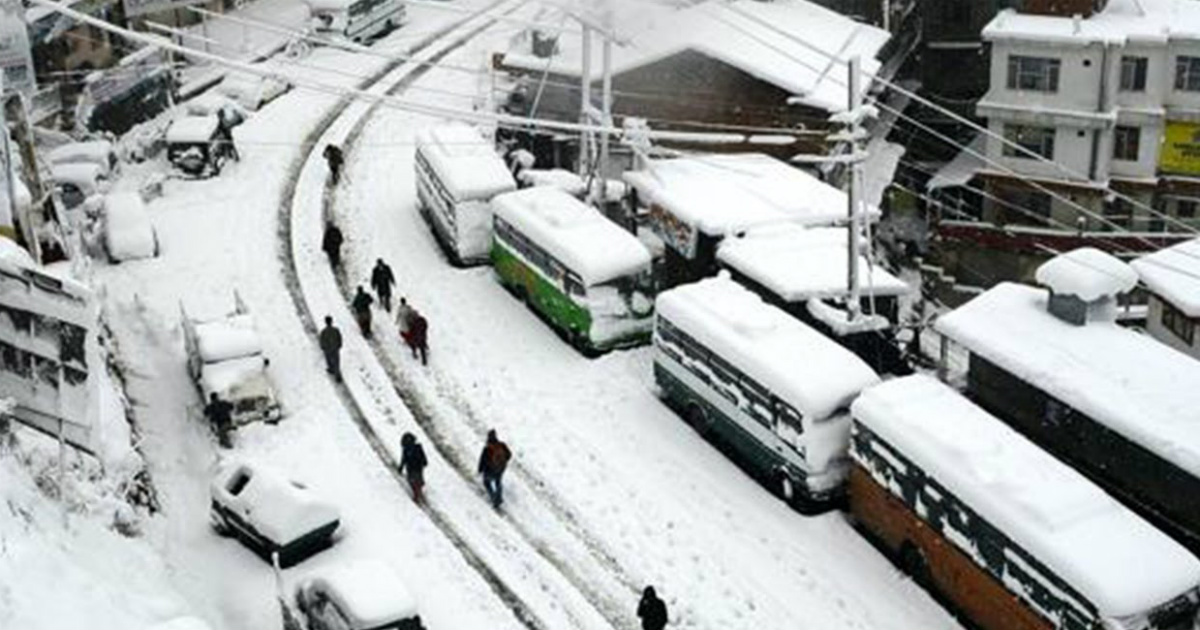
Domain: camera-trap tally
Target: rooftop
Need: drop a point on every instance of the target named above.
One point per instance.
(1120, 22)
(1087, 273)
(1174, 274)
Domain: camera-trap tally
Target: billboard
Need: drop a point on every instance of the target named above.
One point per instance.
(1180, 149)
(16, 57)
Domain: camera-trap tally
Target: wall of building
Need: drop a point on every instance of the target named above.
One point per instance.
(1154, 326)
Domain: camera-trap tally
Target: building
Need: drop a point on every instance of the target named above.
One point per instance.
(709, 67)
(1172, 278)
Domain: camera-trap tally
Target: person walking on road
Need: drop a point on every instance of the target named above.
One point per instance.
(404, 317)
(334, 159)
(361, 305)
(419, 332)
(412, 465)
(492, 462)
(330, 341)
(652, 610)
(220, 414)
(331, 244)
(382, 280)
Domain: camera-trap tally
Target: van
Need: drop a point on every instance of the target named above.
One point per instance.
(356, 20)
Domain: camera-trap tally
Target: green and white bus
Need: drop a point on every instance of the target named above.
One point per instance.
(587, 277)
(458, 173)
(763, 383)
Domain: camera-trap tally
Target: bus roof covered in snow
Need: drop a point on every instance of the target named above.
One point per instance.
(465, 161)
(574, 233)
(1047, 508)
(802, 366)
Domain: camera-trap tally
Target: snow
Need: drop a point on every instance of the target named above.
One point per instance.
(1173, 273)
(564, 180)
(797, 264)
(182, 623)
(228, 338)
(786, 43)
(1051, 511)
(317, 6)
(723, 194)
(1124, 380)
(960, 170)
(276, 507)
(1120, 22)
(839, 322)
(465, 161)
(98, 152)
(366, 590)
(252, 91)
(128, 233)
(85, 175)
(574, 233)
(241, 373)
(192, 129)
(1088, 274)
(797, 363)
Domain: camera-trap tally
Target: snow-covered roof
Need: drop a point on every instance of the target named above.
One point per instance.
(723, 194)
(275, 506)
(576, 234)
(1087, 273)
(1051, 511)
(465, 161)
(230, 338)
(1121, 21)
(1122, 379)
(565, 180)
(797, 263)
(192, 129)
(366, 590)
(759, 38)
(1174, 275)
(800, 365)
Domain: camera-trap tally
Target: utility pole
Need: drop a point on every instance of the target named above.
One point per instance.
(606, 97)
(855, 133)
(585, 103)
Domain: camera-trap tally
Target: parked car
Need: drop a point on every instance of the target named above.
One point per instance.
(98, 152)
(250, 90)
(76, 182)
(213, 104)
(271, 514)
(128, 233)
(357, 595)
(194, 145)
(225, 357)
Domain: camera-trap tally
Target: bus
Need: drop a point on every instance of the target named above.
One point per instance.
(458, 173)
(763, 383)
(587, 277)
(1002, 532)
(356, 20)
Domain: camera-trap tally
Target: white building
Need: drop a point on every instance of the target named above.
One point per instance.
(1111, 100)
(1173, 277)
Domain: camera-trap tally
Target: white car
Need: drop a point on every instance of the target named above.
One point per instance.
(271, 514)
(98, 152)
(76, 182)
(252, 91)
(128, 233)
(357, 595)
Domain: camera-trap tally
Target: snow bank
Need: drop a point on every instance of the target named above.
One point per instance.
(368, 591)
(128, 233)
(276, 507)
(229, 338)
(800, 365)
(1122, 379)
(798, 264)
(1087, 273)
(574, 233)
(1174, 274)
(1083, 535)
(464, 161)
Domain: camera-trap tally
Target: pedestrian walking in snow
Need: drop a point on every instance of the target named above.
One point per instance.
(412, 465)
(492, 462)
(361, 305)
(382, 280)
(220, 415)
(335, 160)
(330, 341)
(652, 610)
(419, 332)
(331, 244)
(225, 135)
(404, 318)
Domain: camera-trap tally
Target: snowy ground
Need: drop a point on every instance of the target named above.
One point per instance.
(610, 490)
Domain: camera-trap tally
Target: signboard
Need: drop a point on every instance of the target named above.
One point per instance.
(1180, 149)
(144, 7)
(676, 233)
(16, 57)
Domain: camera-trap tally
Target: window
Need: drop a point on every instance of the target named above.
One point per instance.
(1039, 140)
(1125, 143)
(1178, 323)
(1033, 73)
(1187, 74)
(1118, 211)
(1133, 74)
(1186, 209)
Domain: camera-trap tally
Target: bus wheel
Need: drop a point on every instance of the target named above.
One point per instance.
(699, 420)
(913, 561)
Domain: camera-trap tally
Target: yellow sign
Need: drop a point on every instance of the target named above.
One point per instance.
(1180, 149)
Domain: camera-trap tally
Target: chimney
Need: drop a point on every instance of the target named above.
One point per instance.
(1063, 8)
(1084, 285)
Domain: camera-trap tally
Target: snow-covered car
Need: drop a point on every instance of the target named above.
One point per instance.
(194, 145)
(357, 595)
(213, 104)
(98, 152)
(128, 233)
(252, 91)
(225, 357)
(270, 513)
(76, 182)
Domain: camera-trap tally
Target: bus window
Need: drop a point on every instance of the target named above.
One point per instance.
(573, 285)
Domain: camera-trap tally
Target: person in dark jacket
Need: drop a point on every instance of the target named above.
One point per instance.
(419, 333)
(652, 610)
(330, 341)
(492, 462)
(225, 134)
(335, 160)
(361, 305)
(331, 244)
(382, 280)
(412, 465)
(220, 414)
